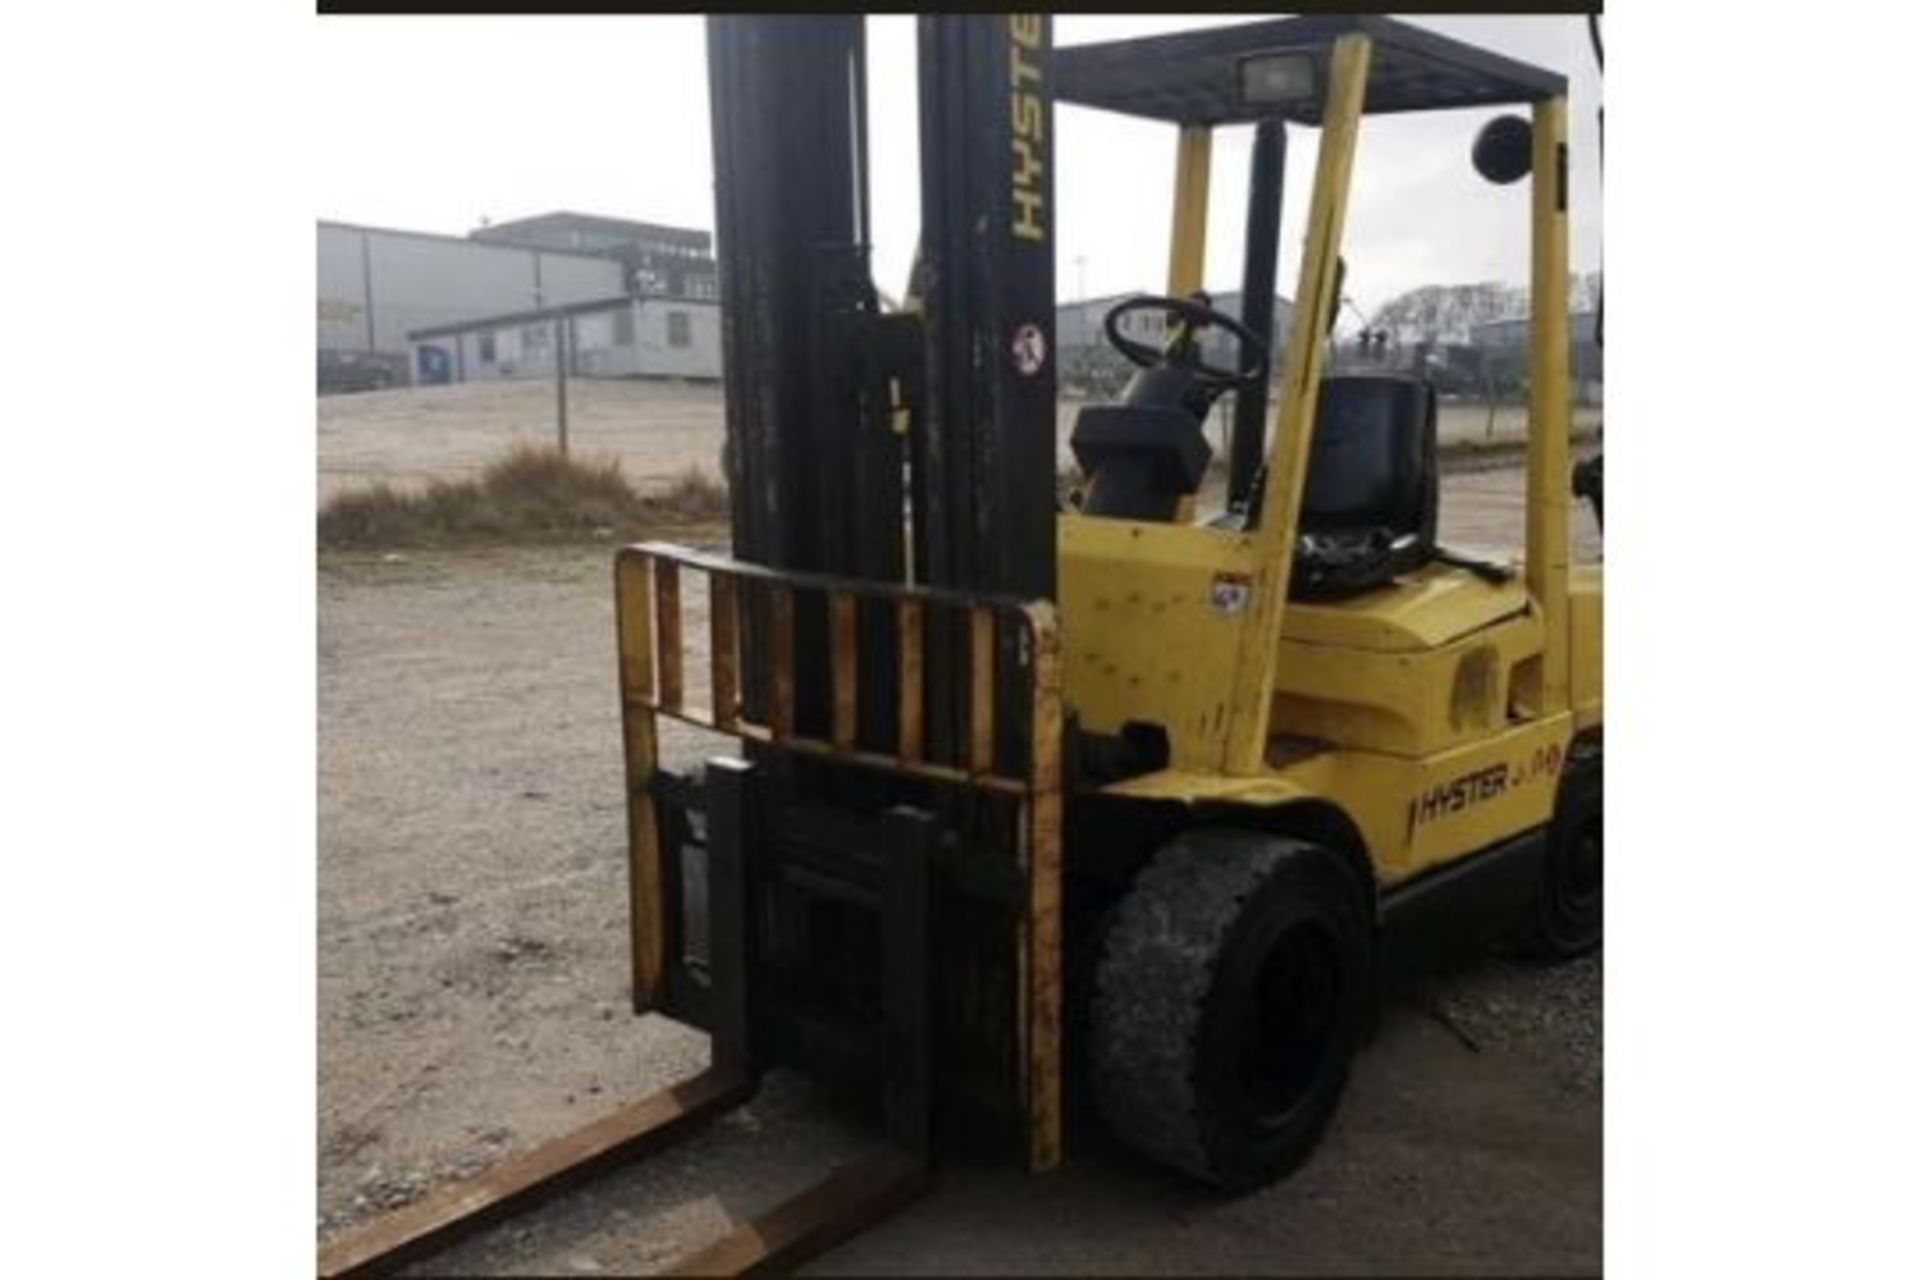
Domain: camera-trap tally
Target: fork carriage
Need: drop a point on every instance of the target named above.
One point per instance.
(947, 706)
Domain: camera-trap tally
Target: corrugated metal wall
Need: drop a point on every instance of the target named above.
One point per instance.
(375, 286)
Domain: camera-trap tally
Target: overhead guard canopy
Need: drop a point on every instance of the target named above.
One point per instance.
(1195, 77)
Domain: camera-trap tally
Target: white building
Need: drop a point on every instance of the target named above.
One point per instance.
(617, 337)
(377, 286)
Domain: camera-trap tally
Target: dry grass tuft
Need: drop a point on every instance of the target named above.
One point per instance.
(693, 497)
(531, 495)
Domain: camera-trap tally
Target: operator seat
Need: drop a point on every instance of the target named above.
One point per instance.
(1371, 503)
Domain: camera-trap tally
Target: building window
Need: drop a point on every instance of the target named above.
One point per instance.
(623, 327)
(486, 347)
(535, 337)
(679, 329)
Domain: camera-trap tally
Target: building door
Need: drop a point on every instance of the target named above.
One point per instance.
(434, 365)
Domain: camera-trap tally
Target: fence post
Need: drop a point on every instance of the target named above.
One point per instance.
(560, 376)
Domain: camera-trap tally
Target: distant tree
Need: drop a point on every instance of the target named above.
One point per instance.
(1443, 318)
(1450, 312)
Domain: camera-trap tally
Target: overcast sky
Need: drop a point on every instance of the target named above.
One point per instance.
(436, 123)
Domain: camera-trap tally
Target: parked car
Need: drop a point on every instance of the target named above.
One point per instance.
(341, 371)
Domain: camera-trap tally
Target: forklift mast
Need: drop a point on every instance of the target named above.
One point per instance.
(816, 375)
(984, 463)
(911, 450)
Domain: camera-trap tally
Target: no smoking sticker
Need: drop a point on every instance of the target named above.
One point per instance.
(1029, 349)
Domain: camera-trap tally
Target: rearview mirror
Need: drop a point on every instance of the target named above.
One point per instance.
(1503, 151)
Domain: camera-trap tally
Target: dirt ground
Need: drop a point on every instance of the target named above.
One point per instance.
(655, 428)
(472, 993)
(409, 436)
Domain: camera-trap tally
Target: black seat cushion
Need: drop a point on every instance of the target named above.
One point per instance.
(1371, 500)
(1374, 463)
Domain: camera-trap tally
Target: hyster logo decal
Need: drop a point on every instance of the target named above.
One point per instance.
(1463, 792)
(1029, 126)
(1470, 789)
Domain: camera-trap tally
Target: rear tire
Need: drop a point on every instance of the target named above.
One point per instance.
(1231, 995)
(1566, 918)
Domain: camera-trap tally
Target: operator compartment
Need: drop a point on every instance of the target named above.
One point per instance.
(1388, 644)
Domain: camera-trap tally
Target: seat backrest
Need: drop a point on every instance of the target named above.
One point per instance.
(1375, 462)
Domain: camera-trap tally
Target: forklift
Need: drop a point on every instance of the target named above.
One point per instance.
(1045, 817)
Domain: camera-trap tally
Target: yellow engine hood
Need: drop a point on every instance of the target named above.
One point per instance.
(1423, 610)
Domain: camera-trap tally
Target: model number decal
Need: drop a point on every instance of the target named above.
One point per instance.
(1545, 761)
(1459, 794)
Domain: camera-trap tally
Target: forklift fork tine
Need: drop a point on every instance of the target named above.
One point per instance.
(524, 1180)
(833, 1209)
(845, 1202)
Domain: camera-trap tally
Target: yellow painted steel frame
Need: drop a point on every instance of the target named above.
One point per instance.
(1414, 813)
(1291, 437)
(1187, 254)
(1187, 257)
(1545, 684)
(1434, 714)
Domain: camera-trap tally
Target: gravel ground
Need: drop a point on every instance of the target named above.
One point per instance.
(472, 995)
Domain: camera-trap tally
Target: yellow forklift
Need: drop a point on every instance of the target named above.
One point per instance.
(1045, 817)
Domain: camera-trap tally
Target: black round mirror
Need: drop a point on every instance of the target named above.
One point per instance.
(1503, 152)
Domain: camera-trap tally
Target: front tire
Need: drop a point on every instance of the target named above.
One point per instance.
(1230, 998)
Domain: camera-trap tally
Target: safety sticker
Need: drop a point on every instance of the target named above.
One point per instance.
(1029, 349)
(1230, 592)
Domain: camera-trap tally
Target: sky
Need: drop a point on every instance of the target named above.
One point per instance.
(436, 123)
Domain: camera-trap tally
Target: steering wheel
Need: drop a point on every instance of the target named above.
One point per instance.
(1198, 316)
